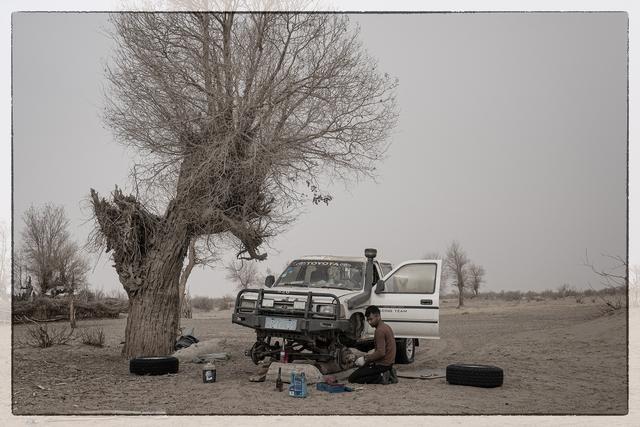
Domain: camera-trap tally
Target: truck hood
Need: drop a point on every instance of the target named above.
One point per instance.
(283, 291)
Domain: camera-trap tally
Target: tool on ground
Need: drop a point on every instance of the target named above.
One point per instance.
(333, 388)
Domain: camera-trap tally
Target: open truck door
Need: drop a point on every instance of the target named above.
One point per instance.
(408, 298)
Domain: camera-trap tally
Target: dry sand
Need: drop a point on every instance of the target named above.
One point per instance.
(559, 357)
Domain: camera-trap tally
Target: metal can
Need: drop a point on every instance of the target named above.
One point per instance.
(209, 373)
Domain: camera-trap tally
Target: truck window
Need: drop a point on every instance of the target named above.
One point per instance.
(412, 279)
(322, 274)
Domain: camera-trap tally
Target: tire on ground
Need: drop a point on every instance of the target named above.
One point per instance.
(160, 365)
(405, 350)
(475, 375)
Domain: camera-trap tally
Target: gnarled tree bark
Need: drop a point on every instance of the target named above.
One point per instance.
(148, 252)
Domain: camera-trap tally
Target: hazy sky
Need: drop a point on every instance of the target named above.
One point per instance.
(511, 139)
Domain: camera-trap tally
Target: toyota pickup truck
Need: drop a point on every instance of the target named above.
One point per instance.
(315, 309)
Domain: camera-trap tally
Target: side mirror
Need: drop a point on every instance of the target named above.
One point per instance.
(379, 286)
(269, 281)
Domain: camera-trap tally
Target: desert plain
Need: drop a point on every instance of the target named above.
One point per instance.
(559, 357)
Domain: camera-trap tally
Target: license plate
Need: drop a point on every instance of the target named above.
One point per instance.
(278, 323)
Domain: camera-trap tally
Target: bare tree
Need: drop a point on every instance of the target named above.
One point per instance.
(45, 231)
(54, 260)
(243, 273)
(615, 279)
(476, 277)
(240, 113)
(51, 256)
(456, 266)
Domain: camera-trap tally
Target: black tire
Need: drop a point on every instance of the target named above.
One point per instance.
(405, 351)
(475, 375)
(154, 365)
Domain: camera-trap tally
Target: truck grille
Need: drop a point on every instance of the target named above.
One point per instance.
(283, 305)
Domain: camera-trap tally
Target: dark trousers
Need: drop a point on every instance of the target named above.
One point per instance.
(368, 374)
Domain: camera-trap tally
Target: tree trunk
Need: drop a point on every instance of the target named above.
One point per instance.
(154, 309)
(72, 313)
(460, 297)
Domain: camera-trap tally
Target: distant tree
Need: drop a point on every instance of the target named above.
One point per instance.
(615, 279)
(244, 274)
(50, 256)
(476, 277)
(456, 265)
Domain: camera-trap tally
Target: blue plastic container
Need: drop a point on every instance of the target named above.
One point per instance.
(298, 387)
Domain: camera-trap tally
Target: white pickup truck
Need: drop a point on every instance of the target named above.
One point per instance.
(315, 309)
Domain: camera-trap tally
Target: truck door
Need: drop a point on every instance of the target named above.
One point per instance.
(409, 302)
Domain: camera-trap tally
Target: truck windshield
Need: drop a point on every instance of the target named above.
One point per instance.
(323, 274)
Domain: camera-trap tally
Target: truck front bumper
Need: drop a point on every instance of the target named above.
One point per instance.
(302, 327)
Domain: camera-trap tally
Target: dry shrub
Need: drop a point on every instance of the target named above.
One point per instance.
(510, 295)
(202, 303)
(46, 308)
(93, 336)
(43, 336)
(549, 294)
(566, 291)
(224, 303)
(613, 299)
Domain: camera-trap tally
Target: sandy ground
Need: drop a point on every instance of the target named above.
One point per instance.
(559, 357)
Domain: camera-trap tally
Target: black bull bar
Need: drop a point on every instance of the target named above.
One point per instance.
(308, 321)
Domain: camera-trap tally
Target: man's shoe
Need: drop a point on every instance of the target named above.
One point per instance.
(385, 378)
(393, 376)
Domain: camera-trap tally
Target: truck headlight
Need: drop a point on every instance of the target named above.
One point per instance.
(267, 303)
(247, 303)
(328, 309)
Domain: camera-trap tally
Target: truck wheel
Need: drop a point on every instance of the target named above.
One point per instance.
(257, 351)
(344, 358)
(357, 326)
(475, 375)
(405, 350)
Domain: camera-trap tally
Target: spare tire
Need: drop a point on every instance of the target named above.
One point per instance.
(475, 375)
(160, 365)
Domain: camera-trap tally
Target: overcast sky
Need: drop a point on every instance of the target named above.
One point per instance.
(511, 139)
